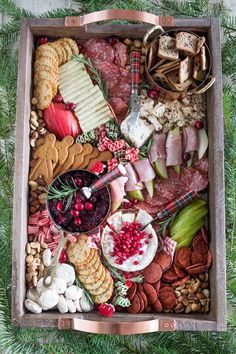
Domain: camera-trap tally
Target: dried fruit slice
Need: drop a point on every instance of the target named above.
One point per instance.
(152, 273)
(181, 281)
(163, 259)
(150, 293)
(183, 256)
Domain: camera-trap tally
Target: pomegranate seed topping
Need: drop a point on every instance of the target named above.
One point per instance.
(150, 236)
(75, 212)
(58, 99)
(89, 206)
(43, 40)
(135, 262)
(199, 124)
(59, 206)
(79, 206)
(141, 252)
(146, 241)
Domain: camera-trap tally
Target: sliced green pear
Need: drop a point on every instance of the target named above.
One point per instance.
(202, 142)
(150, 187)
(136, 195)
(190, 161)
(177, 168)
(160, 168)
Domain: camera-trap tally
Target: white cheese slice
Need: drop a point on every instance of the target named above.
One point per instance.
(115, 221)
(83, 111)
(143, 217)
(128, 217)
(69, 65)
(95, 124)
(91, 116)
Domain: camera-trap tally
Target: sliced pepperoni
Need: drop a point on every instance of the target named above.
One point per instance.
(120, 54)
(196, 269)
(131, 291)
(163, 259)
(167, 299)
(181, 281)
(169, 275)
(157, 306)
(198, 258)
(152, 273)
(98, 51)
(183, 255)
(150, 293)
(199, 245)
(180, 272)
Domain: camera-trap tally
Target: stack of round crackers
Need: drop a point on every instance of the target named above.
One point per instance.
(47, 60)
(90, 271)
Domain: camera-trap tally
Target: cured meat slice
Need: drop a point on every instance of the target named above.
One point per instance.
(144, 170)
(201, 165)
(119, 107)
(122, 90)
(184, 256)
(163, 259)
(193, 179)
(152, 273)
(110, 73)
(190, 140)
(158, 148)
(181, 281)
(169, 275)
(120, 54)
(98, 51)
(167, 299)
(133, 182)
(157, 306)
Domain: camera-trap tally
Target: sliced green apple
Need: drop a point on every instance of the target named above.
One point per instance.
(202, 142)
(177, 168)
(190, 161)
(160, 168)
(150, 187)
(136, 195)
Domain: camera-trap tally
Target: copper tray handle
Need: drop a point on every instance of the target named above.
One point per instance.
(211, 80)
(124, 328)
(130, 15)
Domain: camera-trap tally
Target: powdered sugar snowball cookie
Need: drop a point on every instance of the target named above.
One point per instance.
(73, 292)
(66, 272)
(32, 306)
(47, 255)
(85, 304)
(62, 304)
(48, 299)
(138, 261)
(59, 284)
(32, 295)
(71, 305)
(77, 305)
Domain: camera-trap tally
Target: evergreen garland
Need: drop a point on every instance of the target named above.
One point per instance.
(15, 340)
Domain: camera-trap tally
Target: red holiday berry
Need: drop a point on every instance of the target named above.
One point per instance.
(63, 257)
(78, 222)
(70, 106)
(43, 40)
(97, 167)
(59, 206)
(58, 99)
(199, 124)
(79, 206)
(89, 206)
(112, 40)
(79, 182)
(135, 262)
(154, 94)
(186, 156)
(129, 283)
(141, 252)
(119, 308)
(74, 212)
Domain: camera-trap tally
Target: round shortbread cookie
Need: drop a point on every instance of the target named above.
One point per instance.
(100, 299)
(79, 251)
(60, 52)
(72, 44)
(91, 278)
(92, 287)
(43, 94)
(104, 286)
(91, 255)
(43, 67)
(47, 50)
(90, 267)
(44, 75)
(49, 62)
(67, 48)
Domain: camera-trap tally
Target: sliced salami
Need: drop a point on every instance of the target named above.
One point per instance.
(98, 51)
(120, 54)
(119, 107)
(110, 73)
(122, 90)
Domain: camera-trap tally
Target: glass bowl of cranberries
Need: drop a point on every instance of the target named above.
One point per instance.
(70, 210)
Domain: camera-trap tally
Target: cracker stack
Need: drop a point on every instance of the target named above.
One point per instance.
(92, 274)
(47, 60)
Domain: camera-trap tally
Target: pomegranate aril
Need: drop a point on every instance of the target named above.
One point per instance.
(141, 252)
(135, 262)
(146, 241)
(150, 236)
(79, 206)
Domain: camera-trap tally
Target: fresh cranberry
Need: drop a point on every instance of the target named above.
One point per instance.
(74, 212)
(89, 206)
(59, 206)
(58, 99)
(79, 182)
(153, 94)
(186, 156)
(199, 124)
(63, 257)
(43, 40)
(119, 308)
(112, 40)
(79, 206)
(78, 222)
(70, 106)
(135, 262)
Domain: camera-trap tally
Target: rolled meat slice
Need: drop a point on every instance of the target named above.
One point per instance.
(174, 148)
(133, 182)
(144, 170)
(118, 191)
(190, 139)
(158, 148)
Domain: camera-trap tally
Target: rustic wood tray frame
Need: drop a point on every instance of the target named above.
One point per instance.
(216, 319)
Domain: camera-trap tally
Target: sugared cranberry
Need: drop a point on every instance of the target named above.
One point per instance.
(43, 40)
(135, 262)
(79, 182)
(89, 206)
(78, 222)
(199, 124)
(59, 206)
(186, 156)
(74, 212)
(63, 257)
(112, 40)
(70, 106)
(58, 99)
(79, 206)
(153, 94)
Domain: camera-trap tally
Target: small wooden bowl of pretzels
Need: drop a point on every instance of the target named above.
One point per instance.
(178, 62)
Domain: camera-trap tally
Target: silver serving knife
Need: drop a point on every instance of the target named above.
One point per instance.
(135, 100)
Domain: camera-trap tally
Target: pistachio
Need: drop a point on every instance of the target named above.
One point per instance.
(185, 302)
(200, 296)
(33, 185)
(194, 307)
(35, 280)
(184, 291)
(28, 248)
(33, 251)
(177, 293)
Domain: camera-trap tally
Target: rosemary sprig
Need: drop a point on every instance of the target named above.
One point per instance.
(117, 275)
(66, 192)
(165, 224)
(93, 72)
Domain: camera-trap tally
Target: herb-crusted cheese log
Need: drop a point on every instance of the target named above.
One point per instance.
(76, 86)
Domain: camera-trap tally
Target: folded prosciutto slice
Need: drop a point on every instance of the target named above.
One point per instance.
(190, 139)
(117, 191)
(144, 170)
(158, 148)
(133, 182)
(174, 148)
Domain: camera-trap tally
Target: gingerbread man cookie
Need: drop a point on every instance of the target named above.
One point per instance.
(79, 159)
(87, 158)
(103, 157)
(62, 148)
(73, 151)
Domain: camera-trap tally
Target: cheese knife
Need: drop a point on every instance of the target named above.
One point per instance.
(135, 100)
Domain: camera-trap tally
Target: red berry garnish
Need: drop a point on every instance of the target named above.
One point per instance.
(112, 40)
(58, 99)
(79, 206)
(186, 156)
(63, 257)
(59, 206)
(146, 241)
(43, 40)
(199, 124)
(89, 206)
(141, 252)
(129, 283)
(74, 212)
(150, 236)
(135, 262)
(79, 182)
(70, 106)
(78, 222)
(154, 94)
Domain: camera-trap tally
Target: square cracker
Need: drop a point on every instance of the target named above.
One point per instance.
(204, 64)
(167, 48)
(198, 73)
(173, 79)
(186, 42)
(185, 69)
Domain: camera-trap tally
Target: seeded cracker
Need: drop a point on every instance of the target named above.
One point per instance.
(167, 48)
(186, 42)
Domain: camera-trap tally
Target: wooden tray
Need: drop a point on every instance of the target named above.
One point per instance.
(120, 323)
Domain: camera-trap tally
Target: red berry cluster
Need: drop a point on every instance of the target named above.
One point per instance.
(128, 242)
